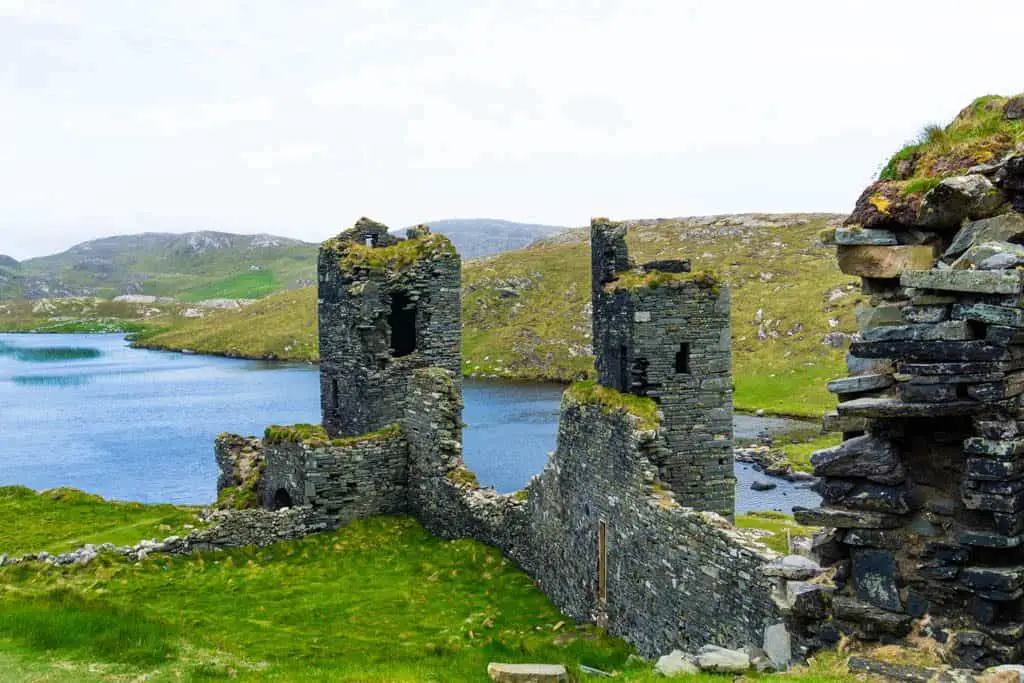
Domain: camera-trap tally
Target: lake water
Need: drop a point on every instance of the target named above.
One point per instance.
(88, 411)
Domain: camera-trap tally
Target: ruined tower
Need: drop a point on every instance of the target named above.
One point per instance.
(663, 332)
(387, 307)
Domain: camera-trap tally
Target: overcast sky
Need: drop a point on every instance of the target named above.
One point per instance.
(297, 117)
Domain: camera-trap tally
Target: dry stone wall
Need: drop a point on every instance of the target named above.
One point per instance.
(926, 494)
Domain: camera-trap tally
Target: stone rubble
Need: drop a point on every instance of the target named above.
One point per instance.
(926, 493)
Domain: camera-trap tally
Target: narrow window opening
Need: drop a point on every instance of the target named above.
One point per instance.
(369, 241)
(602, 562)
(683, 359)
(334, 394)
(403, 325)
(282, 499)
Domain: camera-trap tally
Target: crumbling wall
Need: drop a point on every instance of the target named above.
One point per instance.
(926, 494)
(673, 577)
(663, 332)
(344, 479)
(386, 307)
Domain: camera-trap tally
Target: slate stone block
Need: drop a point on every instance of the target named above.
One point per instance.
(981, 282)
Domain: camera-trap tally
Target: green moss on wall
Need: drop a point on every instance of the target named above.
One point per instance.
(610, 401)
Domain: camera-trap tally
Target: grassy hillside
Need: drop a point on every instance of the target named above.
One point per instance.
(526, 313)
(89, 314)
(281, 327)
(189, 266)
(60, 520)
(212, 265)
(378, 600)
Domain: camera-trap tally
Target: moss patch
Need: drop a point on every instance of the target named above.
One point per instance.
(979, 134)
(316, 435)
(589, 392)
(397, 257)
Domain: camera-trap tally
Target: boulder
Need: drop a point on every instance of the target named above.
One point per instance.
(991, 256)
(866, 457)
(676, 663)
(1009, 227)
(883, 205)
(792, 567)
(778, 646)
(758, 485)
(722, 660)
(956, 199)
(1014, 108)
(527, 673)
(885, 262)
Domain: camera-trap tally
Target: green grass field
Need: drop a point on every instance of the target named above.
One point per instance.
(378, 600)
(59, 520)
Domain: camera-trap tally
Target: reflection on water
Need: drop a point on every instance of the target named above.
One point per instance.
(89, 412)
(55, 354)
(51, 380)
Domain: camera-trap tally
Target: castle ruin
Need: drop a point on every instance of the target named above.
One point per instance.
(627, 524)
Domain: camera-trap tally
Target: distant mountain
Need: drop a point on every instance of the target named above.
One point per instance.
(475, 237)
(214, 265)
(189, 266)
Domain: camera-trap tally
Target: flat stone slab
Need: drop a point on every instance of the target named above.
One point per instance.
(894, 408)
(860, 383)
(951, 330)
(981, 282)
(527, 673)
(858, 236)
(864, 456)
(839, 518)
(885, 262)
(935, 351)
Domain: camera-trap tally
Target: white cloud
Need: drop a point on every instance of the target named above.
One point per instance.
(300, 118)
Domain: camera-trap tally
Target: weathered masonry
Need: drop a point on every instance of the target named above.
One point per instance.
(665, 334)
(926, 494)
(386, 306)
(620, 526)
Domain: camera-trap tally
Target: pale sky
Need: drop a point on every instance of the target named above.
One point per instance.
(297, 117)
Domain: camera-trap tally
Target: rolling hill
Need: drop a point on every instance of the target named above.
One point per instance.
(213, 265)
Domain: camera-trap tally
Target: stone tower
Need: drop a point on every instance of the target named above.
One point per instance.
(664, 333)
(387, 306)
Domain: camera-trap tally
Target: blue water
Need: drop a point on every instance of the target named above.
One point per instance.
(88, 411)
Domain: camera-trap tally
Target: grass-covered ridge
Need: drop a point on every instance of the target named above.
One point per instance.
(980, 134)
(60, 520)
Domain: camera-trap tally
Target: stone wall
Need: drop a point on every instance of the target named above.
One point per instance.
(674, 577)
(386, 307)
(664, 333)
(345, 479)
(926, 494)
